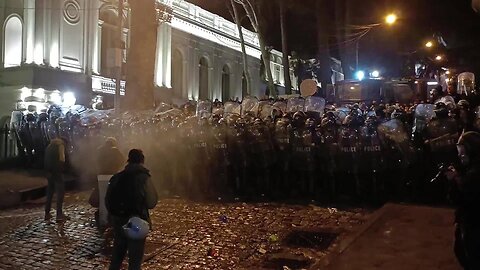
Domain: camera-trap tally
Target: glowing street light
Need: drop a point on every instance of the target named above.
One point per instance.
(429, 44)
(375, 74)
(360, 75)
(391, 19)
(439, 58)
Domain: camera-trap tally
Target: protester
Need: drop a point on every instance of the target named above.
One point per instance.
(55, 165)
(466, 196)
(130, 194)
(109, 162)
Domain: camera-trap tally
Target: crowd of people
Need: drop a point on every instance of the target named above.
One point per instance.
(298, 148)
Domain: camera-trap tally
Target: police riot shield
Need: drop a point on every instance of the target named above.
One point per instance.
(394, 135)
(232, 108)
(249, 106)
(204, 108)
(315, 104)
(393, 131)
(281, 105)
(265, 111)
(295, 105)
(341, 113)
(466, 83)
(423, 114)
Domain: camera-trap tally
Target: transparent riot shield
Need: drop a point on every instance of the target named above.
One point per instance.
(423, 114)
(394, 135)
(232, 108)
(295, 105)
(266, 111)
(394, 131)
(315, 104)
(281, 105)
(341, 113)
(466, 83)
(204, 108)
(249, 106)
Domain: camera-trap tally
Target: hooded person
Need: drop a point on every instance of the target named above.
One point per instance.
(130, 194)
(109, 161)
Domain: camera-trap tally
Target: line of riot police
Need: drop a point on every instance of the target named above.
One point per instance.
(298, 148)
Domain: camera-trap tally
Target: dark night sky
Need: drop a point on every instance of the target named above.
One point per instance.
(419, 21)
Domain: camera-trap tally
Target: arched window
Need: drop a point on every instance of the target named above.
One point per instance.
(203, 79)
(177, 73)
(225, 83)
(13, 42)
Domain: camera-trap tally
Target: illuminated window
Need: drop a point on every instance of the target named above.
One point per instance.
(13, 42)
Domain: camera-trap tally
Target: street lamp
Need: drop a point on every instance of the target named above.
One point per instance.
(439, 58)
(429, 44)
(390, 19)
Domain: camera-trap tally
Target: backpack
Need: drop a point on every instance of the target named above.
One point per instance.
(125, 197)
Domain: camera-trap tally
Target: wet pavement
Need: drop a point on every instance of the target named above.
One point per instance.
(186, 235)
(402, 237)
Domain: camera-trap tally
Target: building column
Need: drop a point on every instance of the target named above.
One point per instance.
(159, 57)
(54, 35)
(98, 48)
(167, 55)
(29, 30)
(38, 52)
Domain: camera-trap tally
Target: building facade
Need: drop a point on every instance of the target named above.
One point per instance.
(53, 50)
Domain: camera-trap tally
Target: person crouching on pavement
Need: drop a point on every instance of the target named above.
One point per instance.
(465, 194)
(109, 162)
(55, 165)
(130, 194)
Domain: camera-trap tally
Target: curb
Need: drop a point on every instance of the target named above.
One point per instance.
(348, 241)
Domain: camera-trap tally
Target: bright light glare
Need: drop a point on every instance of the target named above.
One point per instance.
(432, 83)
(69, 99)
(447, 72)
(375, 74)
(56, 98)
(439, 58)
(25, 93)
(391, 19)
(429, 44)
(39, 93)
(360, 75)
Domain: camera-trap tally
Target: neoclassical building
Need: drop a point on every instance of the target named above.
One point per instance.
(54, 50)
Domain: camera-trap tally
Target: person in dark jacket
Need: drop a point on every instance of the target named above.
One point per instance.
(109, 162)
(466, 196)
(54, 164)
(143, 188)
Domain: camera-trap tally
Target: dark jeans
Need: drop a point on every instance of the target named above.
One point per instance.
(55, 184)
(121, 244)
(467, 246)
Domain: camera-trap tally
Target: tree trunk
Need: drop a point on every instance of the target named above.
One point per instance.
(265, 54)
(141, 63)
(285, 60)
(268, 69)
(246, 71)
(324, 50)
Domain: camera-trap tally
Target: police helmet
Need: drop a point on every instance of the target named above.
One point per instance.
(136, 228)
